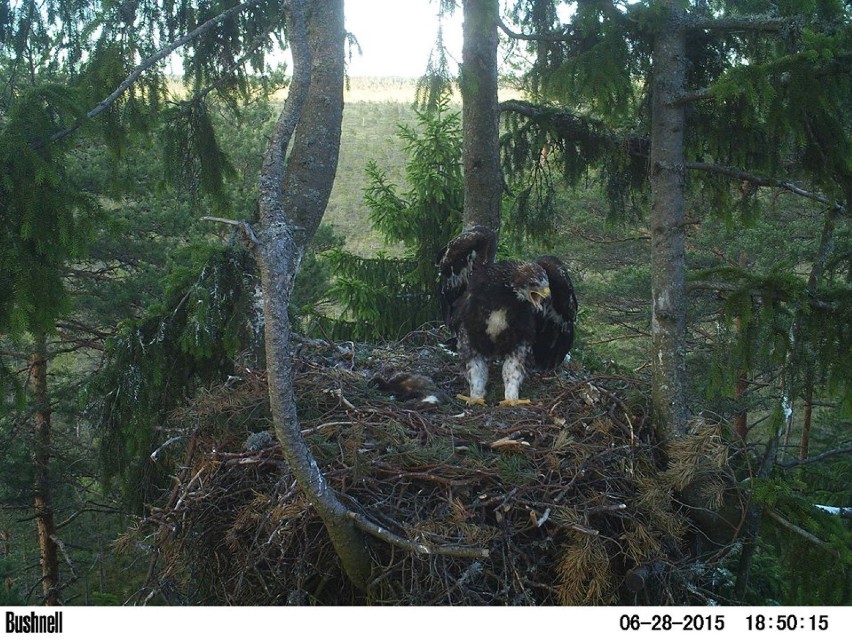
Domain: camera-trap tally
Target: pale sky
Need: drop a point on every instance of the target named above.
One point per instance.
(396, 36)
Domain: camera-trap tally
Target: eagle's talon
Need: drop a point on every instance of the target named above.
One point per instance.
(514, 402)
(471, 401)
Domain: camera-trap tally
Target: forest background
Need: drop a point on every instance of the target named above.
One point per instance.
(149, 252)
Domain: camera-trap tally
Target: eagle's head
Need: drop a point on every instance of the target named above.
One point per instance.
(529, 281)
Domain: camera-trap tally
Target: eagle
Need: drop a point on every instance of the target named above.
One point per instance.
(521, 312)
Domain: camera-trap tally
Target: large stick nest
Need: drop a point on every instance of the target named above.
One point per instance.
(570, 497)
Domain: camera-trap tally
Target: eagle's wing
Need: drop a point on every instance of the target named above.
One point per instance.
(457, 261)
(555, 325)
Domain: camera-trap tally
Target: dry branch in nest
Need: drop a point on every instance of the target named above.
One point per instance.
(565, 501)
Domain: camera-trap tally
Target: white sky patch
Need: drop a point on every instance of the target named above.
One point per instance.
(397, 36)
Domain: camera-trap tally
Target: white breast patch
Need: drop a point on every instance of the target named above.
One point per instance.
(496, 323)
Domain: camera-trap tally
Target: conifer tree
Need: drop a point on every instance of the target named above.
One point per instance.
(729, 96)
(74, 75)
(386, 296)
(722, 100)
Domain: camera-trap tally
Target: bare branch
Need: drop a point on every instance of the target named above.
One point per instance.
(816, 458)
(741, 23)
(758, 180)
(244, 226)
(532, 37)
(694, 96)
(800, 531)
(61, 545)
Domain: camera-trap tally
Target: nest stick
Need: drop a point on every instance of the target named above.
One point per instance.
(371, 528)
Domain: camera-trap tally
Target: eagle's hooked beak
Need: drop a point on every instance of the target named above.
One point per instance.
(537, 297)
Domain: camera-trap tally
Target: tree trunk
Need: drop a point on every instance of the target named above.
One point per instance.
(292, 201)
(741, 386)
(45, 523)
(826, 247)
(668, 323)
(741, 414)
(751, 524)
(806, 423)
(312, 163)
(483, 181)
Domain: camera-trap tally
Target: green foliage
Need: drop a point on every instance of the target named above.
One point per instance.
(600, 74)
(86, 235)
(192, 154)
(155, 363)
(776, 316)
(250, 34)
(46, 220)
(429, 214)
(9, 596)
(550, 143)
(787, 101)
(815, 560)
(386, 297)
(379, 297)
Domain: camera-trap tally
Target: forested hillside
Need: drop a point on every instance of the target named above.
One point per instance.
(197, 329)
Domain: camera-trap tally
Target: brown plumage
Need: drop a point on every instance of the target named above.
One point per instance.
(410, 387)
(458, 259)
(555, 325)
(519, 312)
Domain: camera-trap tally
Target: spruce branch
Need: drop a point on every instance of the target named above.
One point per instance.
(149, 62)
(569, 126)
(250, 51)
(727, 287)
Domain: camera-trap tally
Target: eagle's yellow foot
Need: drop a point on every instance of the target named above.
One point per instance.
(471, 401)
(514, 402)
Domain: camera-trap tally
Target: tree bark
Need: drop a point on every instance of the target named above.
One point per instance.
(292, 201)
(824, 251)
(806, 423)
(741, 413)
(45, 523)
(312, 163)
(741, 387)
(483, 182)
(668, 323)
